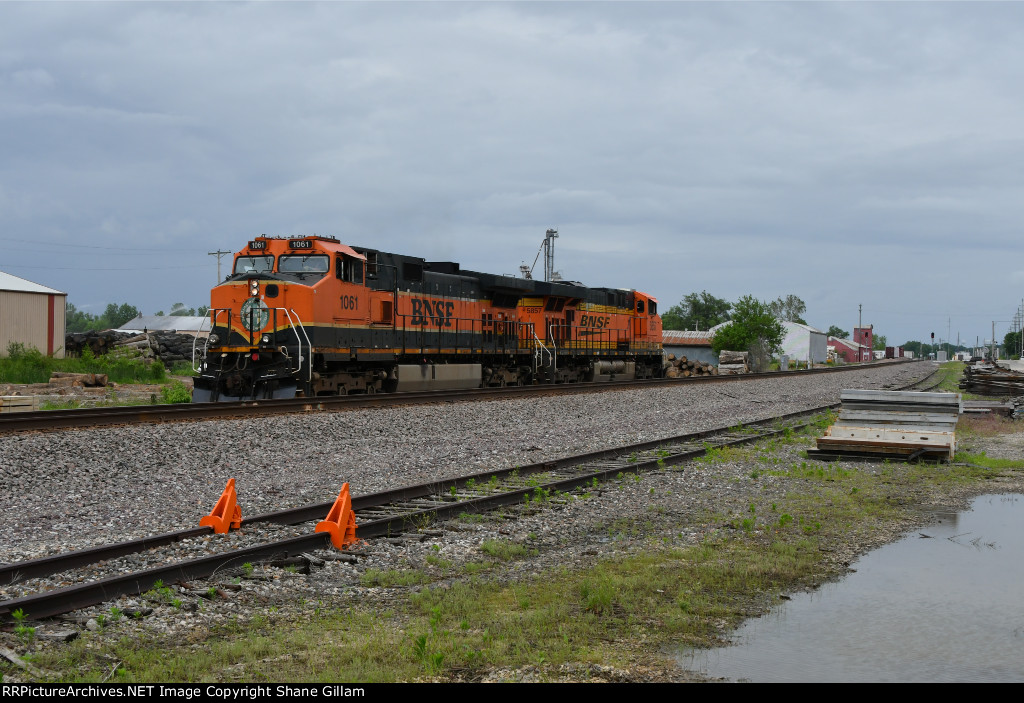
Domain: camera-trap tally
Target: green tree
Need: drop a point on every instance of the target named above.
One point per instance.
(179, 310)
(76, 320)
(752, 328)
(791, 308)
(113, 316)
(116, 315)
(879, 343)
(837, 332)
(696, 311)
(1011, 345)
(920, 349)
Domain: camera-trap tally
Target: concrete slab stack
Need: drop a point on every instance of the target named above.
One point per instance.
(894, 424)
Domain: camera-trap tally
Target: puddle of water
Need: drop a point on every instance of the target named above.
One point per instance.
(949, 607)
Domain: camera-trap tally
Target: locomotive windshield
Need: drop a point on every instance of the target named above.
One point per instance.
(254, 264)
(304, 263)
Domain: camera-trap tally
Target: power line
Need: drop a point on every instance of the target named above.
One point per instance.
(84, 246)
(87, 268)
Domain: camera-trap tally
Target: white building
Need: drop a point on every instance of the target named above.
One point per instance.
(804, 343)
(800, 343)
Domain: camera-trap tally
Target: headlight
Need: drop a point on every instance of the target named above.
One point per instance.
(266, 339)
(213, 340)
(254, 287)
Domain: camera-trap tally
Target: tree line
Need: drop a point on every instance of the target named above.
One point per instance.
(115, 316)
(702, 311)
(753, 324)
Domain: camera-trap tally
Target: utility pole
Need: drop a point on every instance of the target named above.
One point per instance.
(218, 254)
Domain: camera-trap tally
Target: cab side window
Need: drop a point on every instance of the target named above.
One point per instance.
(349, 269)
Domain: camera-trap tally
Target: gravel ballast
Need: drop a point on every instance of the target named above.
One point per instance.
(73, 489)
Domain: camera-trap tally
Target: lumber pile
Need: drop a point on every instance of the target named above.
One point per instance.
(986, 379)
(168, 347)
(18, 403)
(684, 368)
(894, 424)
(97, 342)
(91, 380)
(733, 362)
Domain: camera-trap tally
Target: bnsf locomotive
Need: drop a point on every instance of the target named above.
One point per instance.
(312, 316)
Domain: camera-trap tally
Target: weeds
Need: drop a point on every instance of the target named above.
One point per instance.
(503, 550)
(392, 578)
(28, 365)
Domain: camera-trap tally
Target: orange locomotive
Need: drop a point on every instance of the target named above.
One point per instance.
(311, 316)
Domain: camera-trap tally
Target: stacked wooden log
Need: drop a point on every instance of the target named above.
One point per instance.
(171, 346)
(985, 379)
(684, 368)
(98, 342)
(91, 380)
(733, 362)
(166, 346)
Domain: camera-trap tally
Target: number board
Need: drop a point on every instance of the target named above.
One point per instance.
(300, 244)
(259, 244)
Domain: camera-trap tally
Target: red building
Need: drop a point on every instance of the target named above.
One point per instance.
(850, 351)
(865, 336)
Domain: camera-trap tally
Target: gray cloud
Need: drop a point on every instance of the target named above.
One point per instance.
(845, 152)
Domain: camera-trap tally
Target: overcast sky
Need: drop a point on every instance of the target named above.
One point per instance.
(847, 153)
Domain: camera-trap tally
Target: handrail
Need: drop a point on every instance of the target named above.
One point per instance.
(299, 339)
(213, 323)
(554, 346)
(206, 345)
(537, 349)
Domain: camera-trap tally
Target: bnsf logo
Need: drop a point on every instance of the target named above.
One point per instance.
(425, 312)
(349, 302)
(598, 321)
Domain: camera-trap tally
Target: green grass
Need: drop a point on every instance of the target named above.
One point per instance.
(29, 365)
(182, 368)
(503, 550)
(392, 578)
(672, 596)
(949, 374)
(981, 460)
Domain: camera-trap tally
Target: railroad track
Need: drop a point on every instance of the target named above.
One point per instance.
(380, 514)
(143, 414)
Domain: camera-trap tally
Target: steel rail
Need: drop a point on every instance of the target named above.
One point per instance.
(57, 601)
(46, 566)
(143, 414)
(61, 600)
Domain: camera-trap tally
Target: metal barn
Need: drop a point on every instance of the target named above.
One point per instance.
(31, 314)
